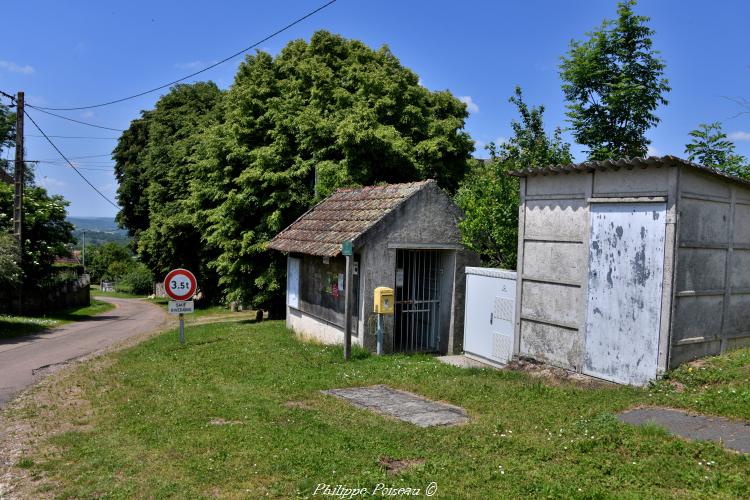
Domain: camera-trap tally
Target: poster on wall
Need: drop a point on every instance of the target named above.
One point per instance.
(399, 277)
(292, 283)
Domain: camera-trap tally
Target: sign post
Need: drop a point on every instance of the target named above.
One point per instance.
(347, 251)
(180, 285)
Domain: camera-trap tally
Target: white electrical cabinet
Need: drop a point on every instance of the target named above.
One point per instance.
(490, 314)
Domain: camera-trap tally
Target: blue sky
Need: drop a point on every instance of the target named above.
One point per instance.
(79, 53)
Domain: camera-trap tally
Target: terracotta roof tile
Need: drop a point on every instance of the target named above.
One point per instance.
(345, 215)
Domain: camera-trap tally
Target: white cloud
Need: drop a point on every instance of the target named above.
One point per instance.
(87, 114)
(15, 68)
(471, 106)
(739, 136)
(501, 140)
(192, 65)
(36, 100)
(652, 151)
(50, 182)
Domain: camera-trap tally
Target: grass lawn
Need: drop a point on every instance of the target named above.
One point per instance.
(237, 412)
(13, 326)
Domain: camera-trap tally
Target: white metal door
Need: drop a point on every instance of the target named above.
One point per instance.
(489, 314)
(626, 269)
(480, 295)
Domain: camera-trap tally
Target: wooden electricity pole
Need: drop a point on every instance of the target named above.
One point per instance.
(18, 192)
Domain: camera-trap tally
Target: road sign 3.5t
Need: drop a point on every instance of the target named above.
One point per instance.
(180, 284)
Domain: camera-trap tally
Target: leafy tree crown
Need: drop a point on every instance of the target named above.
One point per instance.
(614, 82)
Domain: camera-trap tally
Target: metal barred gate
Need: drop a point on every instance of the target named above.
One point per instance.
(417, 319)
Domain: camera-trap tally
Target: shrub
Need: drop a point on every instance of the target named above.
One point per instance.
(137, 280)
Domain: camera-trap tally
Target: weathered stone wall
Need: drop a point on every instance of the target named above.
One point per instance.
(429, 219)
(74, 293)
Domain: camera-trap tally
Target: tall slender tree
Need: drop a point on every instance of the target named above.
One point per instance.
(489, 196)
(614, 82)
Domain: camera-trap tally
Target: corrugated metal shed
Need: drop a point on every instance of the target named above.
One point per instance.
(627, 164)
(345, 215)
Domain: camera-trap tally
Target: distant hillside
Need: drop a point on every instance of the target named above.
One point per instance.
(99, 230)
(102, 224)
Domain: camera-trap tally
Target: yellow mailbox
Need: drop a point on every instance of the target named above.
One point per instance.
(384, 301)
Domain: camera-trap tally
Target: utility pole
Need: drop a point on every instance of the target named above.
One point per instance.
(18, 192)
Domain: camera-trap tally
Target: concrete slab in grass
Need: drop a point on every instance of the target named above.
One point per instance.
(731, 434)
(403, 405)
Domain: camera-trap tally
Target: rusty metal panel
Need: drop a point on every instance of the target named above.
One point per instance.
(626, 270)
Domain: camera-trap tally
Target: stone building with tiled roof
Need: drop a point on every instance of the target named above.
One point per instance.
(405, 237)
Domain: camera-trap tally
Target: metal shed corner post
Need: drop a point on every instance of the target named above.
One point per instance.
(670, 270)
(519, 264)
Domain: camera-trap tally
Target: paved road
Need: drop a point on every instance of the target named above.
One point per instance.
(23, 359)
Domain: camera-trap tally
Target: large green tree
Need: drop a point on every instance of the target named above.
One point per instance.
(7, 132)
(208, 178)
(489, 196)
(154, 167)
(131, 173)
(614, 82)
(100, 261)
(323, 114)
(46, 232)
(710, 146)
(11, 273)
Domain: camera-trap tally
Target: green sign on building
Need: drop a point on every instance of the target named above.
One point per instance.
(346, 248)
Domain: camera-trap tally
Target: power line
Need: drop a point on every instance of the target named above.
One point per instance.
(63, 164)
(272, 35)
(76, 121)
(68, 161)
(53, 161)
(84, 163)
(72, 137)
(108, 155)
(100, 169)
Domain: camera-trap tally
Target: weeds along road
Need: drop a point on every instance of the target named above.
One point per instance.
(24, 359)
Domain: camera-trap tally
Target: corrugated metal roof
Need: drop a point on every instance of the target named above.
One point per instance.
(628, 164)
(345, 215)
